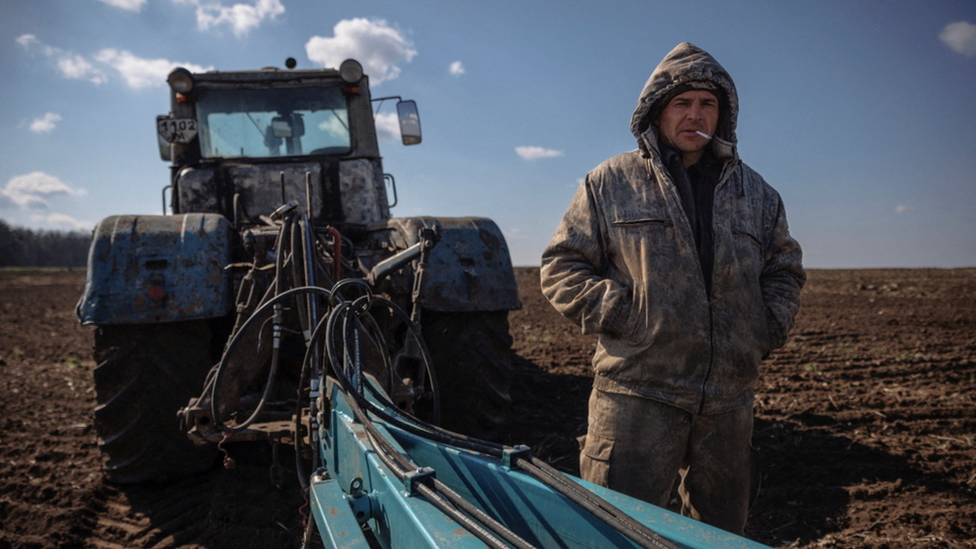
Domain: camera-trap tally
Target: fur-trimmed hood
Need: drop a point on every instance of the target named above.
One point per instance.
(684, 64)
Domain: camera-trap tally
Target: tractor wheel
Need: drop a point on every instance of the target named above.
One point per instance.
(472, 355)
(145, 374)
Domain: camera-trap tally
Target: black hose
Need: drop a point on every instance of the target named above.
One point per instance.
(398, 463)
(418, 427)
(406, 422)
(481, 516)
(297, 264)
(599, 507)
(441, 496)
(280, 254)
(389, 458)
(221, 366)
(469, 524)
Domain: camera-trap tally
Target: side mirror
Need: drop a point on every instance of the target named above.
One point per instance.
(409, 122)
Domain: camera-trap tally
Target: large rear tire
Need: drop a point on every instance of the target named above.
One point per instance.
(145, 374)
(472, 355)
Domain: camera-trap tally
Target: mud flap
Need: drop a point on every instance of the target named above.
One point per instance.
(470, 268)
(157, 268)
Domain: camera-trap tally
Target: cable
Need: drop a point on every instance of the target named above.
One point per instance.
(221, 366)
(599, 507)
(441, 495)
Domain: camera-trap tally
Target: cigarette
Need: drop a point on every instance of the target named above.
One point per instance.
(703, 134)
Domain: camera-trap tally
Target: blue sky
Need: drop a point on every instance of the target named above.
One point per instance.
(861, 114)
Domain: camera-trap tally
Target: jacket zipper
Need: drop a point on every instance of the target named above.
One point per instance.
(711, 359)
(723, 180)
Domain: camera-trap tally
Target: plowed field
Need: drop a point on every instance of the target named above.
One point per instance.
(866, 422)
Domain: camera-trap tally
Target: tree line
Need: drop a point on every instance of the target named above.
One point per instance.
(21, 247)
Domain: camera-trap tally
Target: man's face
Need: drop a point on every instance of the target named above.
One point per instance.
(687, 113)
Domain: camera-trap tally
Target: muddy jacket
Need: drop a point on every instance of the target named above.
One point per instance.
(623, 264)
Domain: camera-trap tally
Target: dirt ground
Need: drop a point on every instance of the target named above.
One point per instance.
(866, 422)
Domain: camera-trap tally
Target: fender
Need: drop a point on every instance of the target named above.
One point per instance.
(470, 268)
(157, 268)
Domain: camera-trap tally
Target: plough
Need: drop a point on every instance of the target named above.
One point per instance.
(390, 480)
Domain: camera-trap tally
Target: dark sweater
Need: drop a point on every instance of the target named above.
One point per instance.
(696, 187)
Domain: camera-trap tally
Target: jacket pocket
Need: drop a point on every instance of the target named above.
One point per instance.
(749, 259)
(748, 249)
(595, 458)
(745, 233)
(649, 222)
(636, 237)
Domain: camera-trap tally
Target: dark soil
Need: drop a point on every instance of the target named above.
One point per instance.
(866, 422)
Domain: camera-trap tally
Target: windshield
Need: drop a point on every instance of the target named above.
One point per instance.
(270, 123)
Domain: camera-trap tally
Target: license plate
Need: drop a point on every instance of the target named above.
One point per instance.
(176, 130)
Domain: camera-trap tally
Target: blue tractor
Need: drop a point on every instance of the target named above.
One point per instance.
(276, 182)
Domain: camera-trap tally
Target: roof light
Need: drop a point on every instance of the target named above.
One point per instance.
(351, 71)
(180, 80)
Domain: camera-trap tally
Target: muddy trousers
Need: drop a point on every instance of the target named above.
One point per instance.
(644, 448)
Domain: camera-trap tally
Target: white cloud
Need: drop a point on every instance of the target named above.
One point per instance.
(62, 221)
(71, 65)
(27, 40)
(77, 67)
(960, 37)
(515, 234)
(457, 68)
(139, 72)
(535, 153)
(241, 17)
(375, 44)
(902, 209)
(31, 191)
(130, 5)
(387, 126)
(45, 123)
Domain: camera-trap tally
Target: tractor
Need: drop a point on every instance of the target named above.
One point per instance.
(276, 182)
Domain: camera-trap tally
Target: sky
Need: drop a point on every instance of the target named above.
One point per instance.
(861, 114)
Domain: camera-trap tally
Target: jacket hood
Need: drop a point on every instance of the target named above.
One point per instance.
(685, 64)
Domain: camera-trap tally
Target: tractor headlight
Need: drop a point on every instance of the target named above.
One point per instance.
(351, 71)
(180, 80)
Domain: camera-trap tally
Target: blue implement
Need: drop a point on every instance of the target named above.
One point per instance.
(357, 486)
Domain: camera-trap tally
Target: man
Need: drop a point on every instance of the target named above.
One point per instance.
(679, 256)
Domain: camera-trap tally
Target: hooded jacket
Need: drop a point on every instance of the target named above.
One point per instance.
(623, 263)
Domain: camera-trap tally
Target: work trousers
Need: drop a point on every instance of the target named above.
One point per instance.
(643, 448)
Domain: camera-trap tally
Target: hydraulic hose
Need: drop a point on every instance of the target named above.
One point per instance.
(418, 427)
(599, 507)
(221, 366)
(447, 505)
(440, 495)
